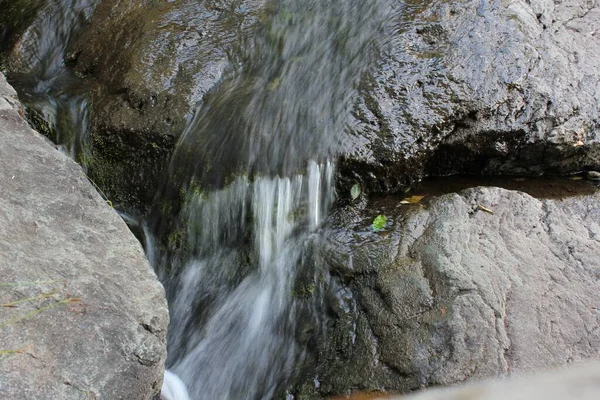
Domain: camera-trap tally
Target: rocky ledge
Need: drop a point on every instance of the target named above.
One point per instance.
(484, 282)
(495, 87)
(82, 315)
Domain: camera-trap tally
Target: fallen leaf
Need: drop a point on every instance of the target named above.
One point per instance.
(576, 178)
(412, 200)
(379, 223)
(485, 209)
(578, 144)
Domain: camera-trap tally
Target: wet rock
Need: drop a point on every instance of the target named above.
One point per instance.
(150, 64)
(83, 314)
(593, 175)
(498, 87)
(35, 34)
(486, 282)
(146, 65)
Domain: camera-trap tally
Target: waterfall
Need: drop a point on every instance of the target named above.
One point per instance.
(254, 172)
(235, 226)
(244, 345)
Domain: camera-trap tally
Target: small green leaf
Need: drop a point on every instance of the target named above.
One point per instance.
(379, 223)
(355, 191)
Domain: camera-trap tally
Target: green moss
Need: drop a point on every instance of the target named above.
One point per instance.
(304, 291)
(175, 239)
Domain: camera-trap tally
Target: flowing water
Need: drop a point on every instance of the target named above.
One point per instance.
(258, 179)
(253, 176)
(45, 85)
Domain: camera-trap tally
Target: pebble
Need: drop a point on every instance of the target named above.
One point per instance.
(593, 175)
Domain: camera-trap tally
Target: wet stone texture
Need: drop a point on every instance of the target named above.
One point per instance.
(493, 87)
(486, 282)
(146, 65)
(82, 314)
(499, 87)
(149, 64)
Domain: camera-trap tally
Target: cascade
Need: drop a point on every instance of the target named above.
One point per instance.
(252, 178)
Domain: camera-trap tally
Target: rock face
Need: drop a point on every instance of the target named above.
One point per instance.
(144, 66)
(495, 87)
(487, 282)
(150, 64)
(501, 87)
(82, 315)
(574, 383)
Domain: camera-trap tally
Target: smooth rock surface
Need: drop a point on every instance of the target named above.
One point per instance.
(83, 314)
(149, 64)
(575, 383)
(144, 66)
(487, 282)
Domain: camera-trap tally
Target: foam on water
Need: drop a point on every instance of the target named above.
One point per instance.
(173, 388)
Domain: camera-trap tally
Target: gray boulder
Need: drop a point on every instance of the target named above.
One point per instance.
(82, 315)
(494, 87)
(486, 282)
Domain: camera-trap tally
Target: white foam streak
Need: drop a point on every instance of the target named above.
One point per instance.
(247, 329)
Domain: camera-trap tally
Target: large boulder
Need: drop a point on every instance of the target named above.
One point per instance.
(493, 87)
(485, 282)
(82, 314)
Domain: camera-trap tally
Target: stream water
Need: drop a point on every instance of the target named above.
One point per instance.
(45, 85)
(258, 168)
(254, 172)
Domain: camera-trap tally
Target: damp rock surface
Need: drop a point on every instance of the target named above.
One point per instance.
(501, 87)
(82, 313)
(144, 67)
(481, 283)
(495, 87)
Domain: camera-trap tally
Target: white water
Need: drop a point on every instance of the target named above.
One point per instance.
(173, 388)
(241, 268)
(250, 328)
